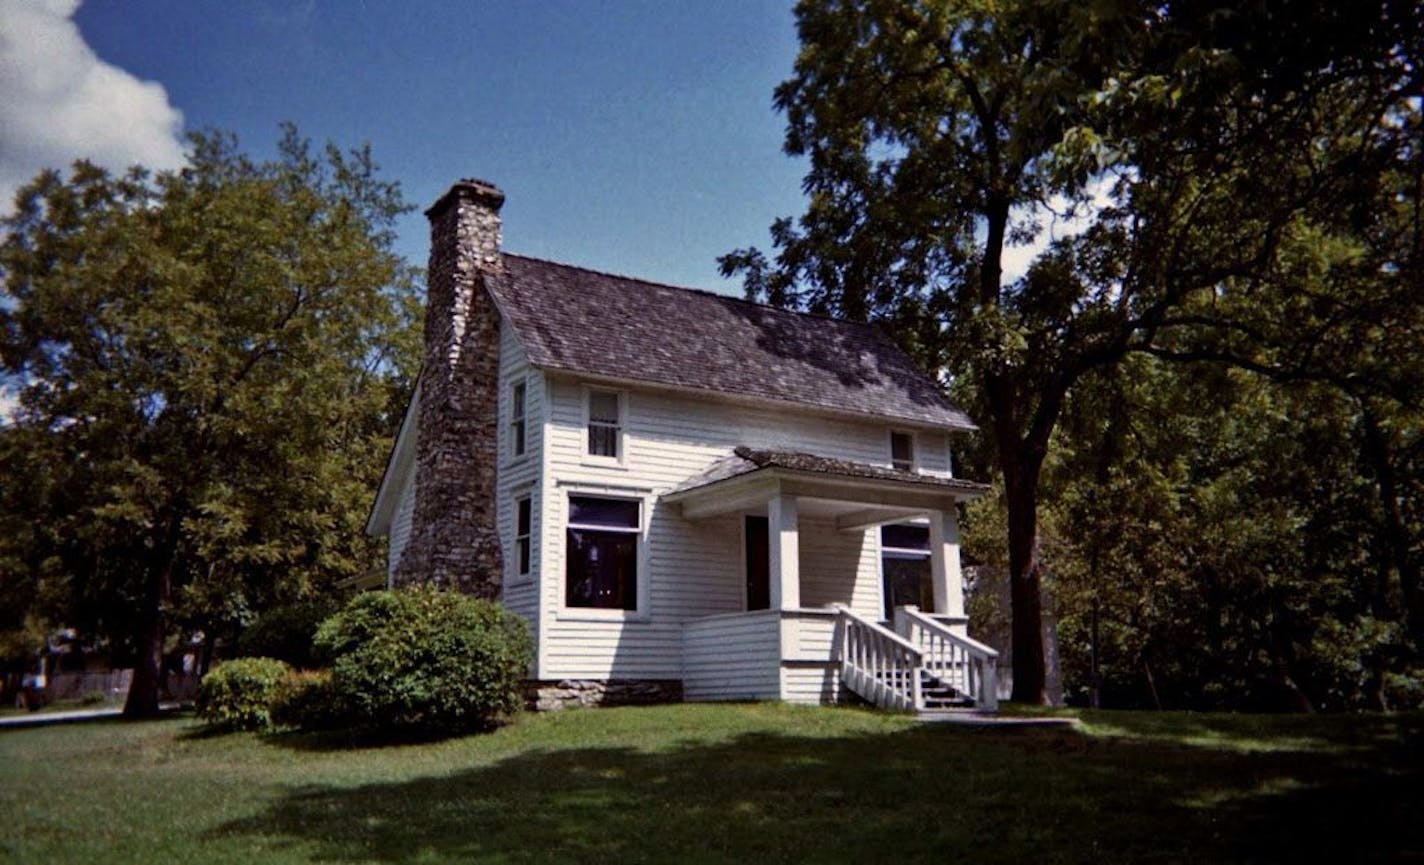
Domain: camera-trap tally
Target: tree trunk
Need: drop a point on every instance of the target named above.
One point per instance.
(1095, 677)
(1025, 590)
(1396, 531)
(142, 700)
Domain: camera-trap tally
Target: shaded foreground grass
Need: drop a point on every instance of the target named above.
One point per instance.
(727, 783)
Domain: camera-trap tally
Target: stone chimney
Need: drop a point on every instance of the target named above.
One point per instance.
(454, 539)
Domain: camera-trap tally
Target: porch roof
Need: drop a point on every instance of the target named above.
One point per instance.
(748, 476)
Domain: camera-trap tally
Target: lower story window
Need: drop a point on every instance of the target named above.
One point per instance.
(523, 532)
(602, 553)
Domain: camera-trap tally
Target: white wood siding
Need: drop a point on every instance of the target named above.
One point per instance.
(400, 523)
(808, 675)
(692, 569)
(518, 477)
(932, 453)
(732, 657)
(840, 568)
(739, 657)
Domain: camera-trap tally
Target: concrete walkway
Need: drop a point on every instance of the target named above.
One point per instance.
(980, 719)
(69, 716)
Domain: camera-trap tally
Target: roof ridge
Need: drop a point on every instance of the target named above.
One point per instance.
(868, 325)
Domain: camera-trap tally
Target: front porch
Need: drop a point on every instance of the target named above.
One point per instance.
(804, 638)
(824, 654)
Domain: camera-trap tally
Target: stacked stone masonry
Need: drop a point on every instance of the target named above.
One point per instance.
(552, 696)
(455, 539)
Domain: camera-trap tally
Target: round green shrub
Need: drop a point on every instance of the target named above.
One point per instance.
(426, 660)
(307, 699)
(286, 633)
(237, 695)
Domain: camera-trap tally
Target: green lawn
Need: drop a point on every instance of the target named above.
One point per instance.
(735, 783)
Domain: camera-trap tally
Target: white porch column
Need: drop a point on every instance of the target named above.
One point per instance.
(945, 576)
(785, 549)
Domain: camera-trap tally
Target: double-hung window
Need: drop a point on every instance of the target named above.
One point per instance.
(602, 553)
(902, 451)
(517, 425)
(605, 424)
(523, 532)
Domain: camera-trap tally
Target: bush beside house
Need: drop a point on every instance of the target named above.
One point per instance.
(237, 695)
(286, 633)
(415, 660)
(426, 660)
(306, 699)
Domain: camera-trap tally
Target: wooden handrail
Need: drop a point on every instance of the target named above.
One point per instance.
(877, 663)
(965, 664)
(878, 628)
(968, 642)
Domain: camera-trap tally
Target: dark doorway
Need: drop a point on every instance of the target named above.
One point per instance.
(907, 581)
(758, 544)
(905, 568)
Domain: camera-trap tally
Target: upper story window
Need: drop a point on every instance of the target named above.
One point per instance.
(523, 532)
(902, 451)
(605, 424)
(602, 553)
(518, 427)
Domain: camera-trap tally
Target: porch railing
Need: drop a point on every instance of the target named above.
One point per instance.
(877, 664)
(966, 665)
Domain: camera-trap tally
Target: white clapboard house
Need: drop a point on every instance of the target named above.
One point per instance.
(688, 496)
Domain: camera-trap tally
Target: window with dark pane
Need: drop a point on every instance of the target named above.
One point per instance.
(523, 533)
(758, 552)
(603, 423)
(602, 553)
(517, 425)
(906, 537)
(902, 451)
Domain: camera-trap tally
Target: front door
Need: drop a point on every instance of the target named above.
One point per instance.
(758, 547)
(905, 568)
(907, 581)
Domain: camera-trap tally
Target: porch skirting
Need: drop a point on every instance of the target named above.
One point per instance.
(762, 655)
(552, 695)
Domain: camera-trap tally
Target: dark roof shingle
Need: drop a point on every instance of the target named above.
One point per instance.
(584, 321)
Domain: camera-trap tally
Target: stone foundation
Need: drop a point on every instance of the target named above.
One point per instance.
(552, 695)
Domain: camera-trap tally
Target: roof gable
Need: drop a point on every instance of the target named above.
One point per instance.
(583, 321)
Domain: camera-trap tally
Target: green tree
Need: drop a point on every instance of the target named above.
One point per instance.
(1191, 137)
(1214, 540)
(211, 362)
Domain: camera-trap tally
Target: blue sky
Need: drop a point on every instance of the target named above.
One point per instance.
(634, 137)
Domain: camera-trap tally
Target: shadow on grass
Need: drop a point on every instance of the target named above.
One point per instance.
(325, 741)
(1324, 734)
(926, 793)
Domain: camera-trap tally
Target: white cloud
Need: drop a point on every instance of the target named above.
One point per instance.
(1058, 221)
(60, 102)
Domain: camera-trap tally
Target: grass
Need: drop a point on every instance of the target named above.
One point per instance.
(728, 783)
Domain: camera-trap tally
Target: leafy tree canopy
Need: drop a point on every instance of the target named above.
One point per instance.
(1201, 143)
(210, 362)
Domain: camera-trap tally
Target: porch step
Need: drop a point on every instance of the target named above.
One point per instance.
(936, 694)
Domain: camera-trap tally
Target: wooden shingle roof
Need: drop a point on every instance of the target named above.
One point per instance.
(745, 460)
(583, 321)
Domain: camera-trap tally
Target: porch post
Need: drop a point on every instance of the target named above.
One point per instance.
(945, 576)
(785, 551)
